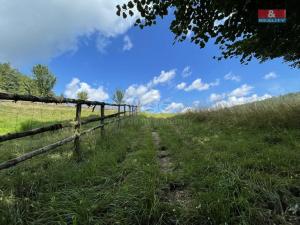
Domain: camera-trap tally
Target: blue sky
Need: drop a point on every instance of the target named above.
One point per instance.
(102, 53)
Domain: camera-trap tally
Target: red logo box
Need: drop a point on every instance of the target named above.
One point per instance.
(271, 15)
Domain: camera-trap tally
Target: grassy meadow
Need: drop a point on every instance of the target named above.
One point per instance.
(239, 165)
(22, 116)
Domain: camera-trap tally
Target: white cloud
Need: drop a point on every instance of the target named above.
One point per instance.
(233, 100)
(238, 96)
(174, 108)
(145, 95)
(241, 91)
(216, 97)
(197, 85)
(186, 72)
(201, 86)
(34, 31)
(94, 94)
(127, 43)
(196, 103)
(271, 75)
(181, 86)
(142, 95)
(163, 77)
(150, 96)
(230, 76)
(188, 109)
(101, 43)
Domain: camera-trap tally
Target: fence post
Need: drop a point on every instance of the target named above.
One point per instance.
(124, 110)
(102, 119)
(77, 132)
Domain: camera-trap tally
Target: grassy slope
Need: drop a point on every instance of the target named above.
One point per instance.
(238, 166)
(241, 165)
(22, 115)
(116, 182)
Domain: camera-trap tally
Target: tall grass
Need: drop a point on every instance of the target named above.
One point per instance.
(279, 112)
(114, 184)
(239, 165)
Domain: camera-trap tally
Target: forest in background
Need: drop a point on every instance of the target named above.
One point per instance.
(40, 83)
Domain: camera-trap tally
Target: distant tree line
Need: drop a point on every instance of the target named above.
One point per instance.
(40, 83)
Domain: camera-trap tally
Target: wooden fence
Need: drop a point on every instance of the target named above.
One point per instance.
(103, 119)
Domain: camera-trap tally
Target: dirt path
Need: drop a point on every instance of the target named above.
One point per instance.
(163, 155)
(174, 192)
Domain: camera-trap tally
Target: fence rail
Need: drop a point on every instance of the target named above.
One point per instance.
(102, 118)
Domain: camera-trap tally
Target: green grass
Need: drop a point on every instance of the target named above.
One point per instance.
(236, 166)
(115, 183)
(157, 115)
(22, 116)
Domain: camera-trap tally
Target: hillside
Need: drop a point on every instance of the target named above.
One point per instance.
(239, 165)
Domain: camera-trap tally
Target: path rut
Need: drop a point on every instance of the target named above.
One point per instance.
(174, 193)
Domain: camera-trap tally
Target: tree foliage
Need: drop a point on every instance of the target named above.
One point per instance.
(28, 86)
(8, 78)
(13, 81)
(83, 95)
(44, 80)
(232, 23)
(118, 97)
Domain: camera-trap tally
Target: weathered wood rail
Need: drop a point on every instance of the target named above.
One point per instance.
(103, 119)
